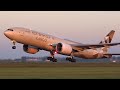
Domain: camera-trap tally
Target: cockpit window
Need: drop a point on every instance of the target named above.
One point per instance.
(10, 29)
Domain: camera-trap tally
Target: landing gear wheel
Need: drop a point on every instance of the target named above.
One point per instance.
(52, 59)
(73, 60)
(49, 58)
(67, 58)
(13, 47)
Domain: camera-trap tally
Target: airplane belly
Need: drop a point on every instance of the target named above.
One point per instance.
(87, 54)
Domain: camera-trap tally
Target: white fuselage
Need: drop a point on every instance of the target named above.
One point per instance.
(44, 41)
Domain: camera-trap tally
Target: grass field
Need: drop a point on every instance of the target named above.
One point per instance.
(59, 70)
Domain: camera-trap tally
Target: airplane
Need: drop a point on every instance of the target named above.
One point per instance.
(34, 41)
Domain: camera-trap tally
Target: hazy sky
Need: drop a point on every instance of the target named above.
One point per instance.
(82, 26)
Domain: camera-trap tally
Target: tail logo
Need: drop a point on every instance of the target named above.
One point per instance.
(107, 39)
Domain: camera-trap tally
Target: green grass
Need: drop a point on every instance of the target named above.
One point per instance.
(59, 71)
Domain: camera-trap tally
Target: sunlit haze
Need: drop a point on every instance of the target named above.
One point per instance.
(88, 27)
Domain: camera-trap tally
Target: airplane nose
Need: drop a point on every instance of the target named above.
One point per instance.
(6, 33)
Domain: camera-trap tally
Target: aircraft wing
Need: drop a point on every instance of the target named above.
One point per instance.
(77, 47)
(89, 46)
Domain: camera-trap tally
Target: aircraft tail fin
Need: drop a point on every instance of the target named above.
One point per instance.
(107, 39)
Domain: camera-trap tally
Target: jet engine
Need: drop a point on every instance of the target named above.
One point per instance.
(63, 48)
(30, 49)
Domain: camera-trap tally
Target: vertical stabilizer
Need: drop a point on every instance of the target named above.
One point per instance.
(107, 39)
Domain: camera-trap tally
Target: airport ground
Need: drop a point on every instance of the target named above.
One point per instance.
(50, 70)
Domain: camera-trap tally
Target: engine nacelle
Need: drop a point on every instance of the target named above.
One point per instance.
(30, 49)
(63, 48)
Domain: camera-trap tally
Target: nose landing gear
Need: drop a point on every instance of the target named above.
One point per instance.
(13, 47)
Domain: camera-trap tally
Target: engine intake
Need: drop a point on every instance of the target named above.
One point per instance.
(63, 48)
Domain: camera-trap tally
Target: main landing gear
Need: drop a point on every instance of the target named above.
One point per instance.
(13, 47)
(52, 57)
(71, 59)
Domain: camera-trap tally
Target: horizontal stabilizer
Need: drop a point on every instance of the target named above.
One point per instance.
(113, 54)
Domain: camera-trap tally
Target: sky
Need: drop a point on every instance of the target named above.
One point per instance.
(88, 27)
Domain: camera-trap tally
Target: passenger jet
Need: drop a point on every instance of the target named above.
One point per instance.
(35, 41)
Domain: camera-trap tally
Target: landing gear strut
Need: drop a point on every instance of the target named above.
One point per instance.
(52, 57)
(13, 47)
